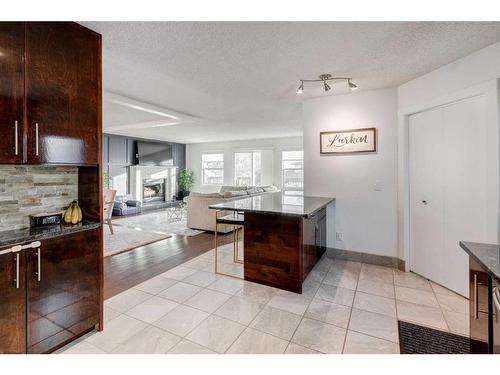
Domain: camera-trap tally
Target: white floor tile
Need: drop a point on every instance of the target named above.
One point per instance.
(201, 278)
(110, 314)
(216, 333)
(152, 309)
(227, 285)
(378, 325)
(276, 322)
(207, 300)
(419, 314)
(453, 302)
(256, 293)
(151, 340)
(417, 296)
(125, 301)
(411, 280)
(358, 343)
(180, 292)
(376, 288)
(252, 341)
(178, 273)
(181, 320)
(83, 348)
(323, 337)
(155, 285)
(376, 304)
(291, 302)
(328, 312)
(457, 323)
(116, 332)
(340, 296)
(298, 349)
(189, 347)
(239, 310)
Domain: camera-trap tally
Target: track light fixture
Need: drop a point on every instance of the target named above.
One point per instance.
(325, 78)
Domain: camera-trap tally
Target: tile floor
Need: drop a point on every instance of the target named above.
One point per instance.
(346, 307)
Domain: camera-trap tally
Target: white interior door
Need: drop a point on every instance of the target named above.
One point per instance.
(447, 161)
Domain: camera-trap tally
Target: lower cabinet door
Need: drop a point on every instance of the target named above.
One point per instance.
(62, 290)
(12, 303)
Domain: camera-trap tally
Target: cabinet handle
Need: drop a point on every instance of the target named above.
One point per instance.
(16, 138)
(36, 138)
(476, 302)
(17, 271)
(38, 273)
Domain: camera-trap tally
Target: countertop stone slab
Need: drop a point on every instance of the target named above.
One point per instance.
(487, 255)
(273, 204)
(18, 236)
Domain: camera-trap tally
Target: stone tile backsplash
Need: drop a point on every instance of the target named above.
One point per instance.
(29, 189)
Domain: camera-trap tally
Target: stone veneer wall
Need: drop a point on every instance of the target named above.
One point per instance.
(28, 189)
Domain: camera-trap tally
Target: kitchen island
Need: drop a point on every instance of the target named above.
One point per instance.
(282, 242)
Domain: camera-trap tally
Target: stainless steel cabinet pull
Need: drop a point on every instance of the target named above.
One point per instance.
(16, 138)
(39, 268)
(17, 271)
(36, 139)
(476, 302)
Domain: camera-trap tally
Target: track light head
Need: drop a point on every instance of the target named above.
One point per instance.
(300, 90)
(352, 85)
(327, 86)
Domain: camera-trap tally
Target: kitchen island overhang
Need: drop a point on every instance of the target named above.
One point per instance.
(282, 242)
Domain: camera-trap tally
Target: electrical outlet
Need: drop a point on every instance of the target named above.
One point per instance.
(339, 236)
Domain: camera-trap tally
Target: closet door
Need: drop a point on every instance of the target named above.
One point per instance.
(447, 152)
(63, 62)
(426, 132)
(11, 92)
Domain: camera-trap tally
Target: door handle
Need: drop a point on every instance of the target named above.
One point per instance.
(36, 138)
(16, 280)
(16, 138)
(38, 272)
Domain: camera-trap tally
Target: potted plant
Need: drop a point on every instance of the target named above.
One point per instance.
(186, 182)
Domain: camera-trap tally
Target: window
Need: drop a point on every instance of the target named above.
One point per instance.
(293, 177)
(247, 168)
(212, 169)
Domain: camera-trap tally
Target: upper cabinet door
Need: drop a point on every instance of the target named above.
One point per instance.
(63, 83)
(11, 91)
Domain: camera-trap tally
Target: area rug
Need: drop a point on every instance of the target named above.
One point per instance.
(125, 239)
(158, 222)
(415, 339)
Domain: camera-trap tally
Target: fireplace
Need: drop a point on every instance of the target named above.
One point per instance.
(153, 190)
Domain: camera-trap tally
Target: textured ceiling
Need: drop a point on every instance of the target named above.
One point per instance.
(239, 79)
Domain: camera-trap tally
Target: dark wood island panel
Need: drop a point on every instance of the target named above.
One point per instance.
(280, 250)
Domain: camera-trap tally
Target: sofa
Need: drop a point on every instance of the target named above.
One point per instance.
(124, 205)
(199, 216)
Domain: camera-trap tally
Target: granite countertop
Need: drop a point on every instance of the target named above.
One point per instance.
(486, 254)
(17, 236)
(273, 204)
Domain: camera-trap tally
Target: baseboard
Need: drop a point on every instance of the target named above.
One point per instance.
(354, 256)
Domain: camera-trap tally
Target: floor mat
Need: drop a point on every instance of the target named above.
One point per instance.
(415, 339)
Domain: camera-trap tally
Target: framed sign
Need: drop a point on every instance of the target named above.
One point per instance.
(348, 141)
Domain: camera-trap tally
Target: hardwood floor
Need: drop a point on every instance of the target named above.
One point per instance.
(125, 270)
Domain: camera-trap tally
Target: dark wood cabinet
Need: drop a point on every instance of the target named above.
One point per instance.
(12, 302)
(50, 93)
(11, 92)
(62, 290)
(63, 73)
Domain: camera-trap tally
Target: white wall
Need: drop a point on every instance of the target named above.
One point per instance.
(271, 158)
(366, 217)
(478, 67)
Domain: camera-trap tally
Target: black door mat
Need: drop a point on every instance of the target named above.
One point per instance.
(415, 339)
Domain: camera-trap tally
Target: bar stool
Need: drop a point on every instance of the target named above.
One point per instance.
(237, 221)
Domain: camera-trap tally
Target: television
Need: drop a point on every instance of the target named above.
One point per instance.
(155, 153)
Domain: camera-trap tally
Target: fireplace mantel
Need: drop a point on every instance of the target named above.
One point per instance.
(139, 173)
